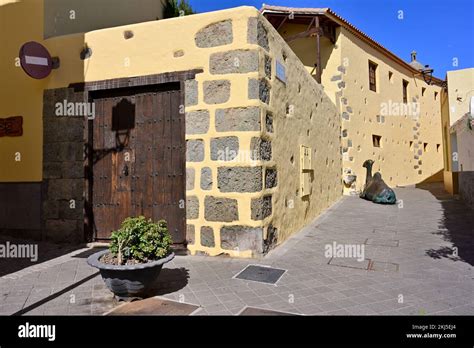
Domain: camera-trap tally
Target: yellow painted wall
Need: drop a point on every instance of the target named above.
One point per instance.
(455, 108)
(305, 49)
(152, 51)
(63, 17)
(20, 95)
(394, 159)
(22, 21)
(460, 91)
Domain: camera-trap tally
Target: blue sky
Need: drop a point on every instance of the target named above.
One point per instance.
(439, 30)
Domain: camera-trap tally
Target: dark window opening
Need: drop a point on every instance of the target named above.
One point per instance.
(425, 147)
(390, 74)
(423, 89)
(438, 146)
(372, 76)
(405, 91)
(376, 140)
(435, 95)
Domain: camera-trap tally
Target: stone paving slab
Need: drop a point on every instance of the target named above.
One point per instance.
(435, 257)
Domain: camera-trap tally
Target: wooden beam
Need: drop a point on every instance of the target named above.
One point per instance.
(282, 22)
(318, 50)
(304, 34)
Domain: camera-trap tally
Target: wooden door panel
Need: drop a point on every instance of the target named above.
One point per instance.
(155, 184)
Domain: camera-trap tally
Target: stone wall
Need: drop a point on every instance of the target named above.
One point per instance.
(466, 187)
(225, 172)
(20, 211)
(62, 215)
(297, 112)
(240, 139)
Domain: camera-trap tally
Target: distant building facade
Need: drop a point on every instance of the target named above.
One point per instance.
(458, 133)
(388, 112)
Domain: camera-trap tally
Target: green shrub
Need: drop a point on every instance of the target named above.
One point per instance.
(173, 8)
(141, 240)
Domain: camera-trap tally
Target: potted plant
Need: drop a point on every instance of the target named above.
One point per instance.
(136, 255)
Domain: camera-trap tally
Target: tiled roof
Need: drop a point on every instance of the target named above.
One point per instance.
(341, 21)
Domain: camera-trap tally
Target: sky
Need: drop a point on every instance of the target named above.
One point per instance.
(441, 31)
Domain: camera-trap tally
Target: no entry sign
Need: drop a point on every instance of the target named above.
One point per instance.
(35, 60)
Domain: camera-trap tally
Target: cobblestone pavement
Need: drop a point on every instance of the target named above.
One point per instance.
(420, 257)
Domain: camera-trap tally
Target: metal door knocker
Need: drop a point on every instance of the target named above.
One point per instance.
(125, 170)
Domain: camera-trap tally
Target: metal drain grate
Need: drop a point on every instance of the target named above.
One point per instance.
(249, 311)
(262, 274)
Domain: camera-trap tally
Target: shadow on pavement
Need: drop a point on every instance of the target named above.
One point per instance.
(170, 280)
(45, 251)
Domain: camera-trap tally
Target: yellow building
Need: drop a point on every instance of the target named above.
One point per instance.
(202, 120)
(458, 133)
(388, 112)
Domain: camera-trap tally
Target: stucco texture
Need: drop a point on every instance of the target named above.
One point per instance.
(402, 158)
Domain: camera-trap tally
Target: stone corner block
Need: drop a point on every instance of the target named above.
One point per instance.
(238, 119)
(207, 237)
(220, 209)
(195, 150)
(215, 34)
(216, 92)
(242, 238)
(197, 122)
(239, 179)
(234, 62)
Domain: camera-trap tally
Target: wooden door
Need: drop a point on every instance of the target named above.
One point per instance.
(138, 160)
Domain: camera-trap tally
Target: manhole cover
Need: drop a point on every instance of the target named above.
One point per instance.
(261, 274)
(382, 242)
(383, 266)
(384, 232)
(261, 311)
(349, 262)
(154, 306)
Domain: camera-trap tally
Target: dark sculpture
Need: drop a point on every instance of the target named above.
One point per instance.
(376, 190)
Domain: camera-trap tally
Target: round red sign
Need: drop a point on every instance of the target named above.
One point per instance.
(35, 60)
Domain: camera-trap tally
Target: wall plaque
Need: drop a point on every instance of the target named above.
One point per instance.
(11, 126)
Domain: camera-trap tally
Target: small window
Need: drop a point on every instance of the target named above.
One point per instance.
(425, 147)
(405, 91)
(435, 95)
(376, 140)
(372, 76)
(390, 74)
(438, 146)
(411, 145)
(423, 89)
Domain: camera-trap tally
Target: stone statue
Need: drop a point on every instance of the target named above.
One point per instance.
(376, 190)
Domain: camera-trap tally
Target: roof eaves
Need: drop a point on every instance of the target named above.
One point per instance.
(343, 22)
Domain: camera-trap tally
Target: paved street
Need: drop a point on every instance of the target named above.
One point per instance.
(419, 255)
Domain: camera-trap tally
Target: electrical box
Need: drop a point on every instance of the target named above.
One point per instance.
(305, 170)
(305, 180)
(305, 158)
